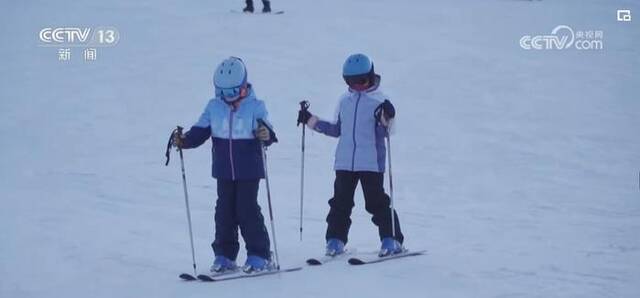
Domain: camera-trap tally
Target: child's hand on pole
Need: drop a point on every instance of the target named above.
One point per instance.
(385, 112)
(263, 133)
(178, 139)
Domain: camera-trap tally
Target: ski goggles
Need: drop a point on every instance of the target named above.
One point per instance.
(229, 94)
(358, 82)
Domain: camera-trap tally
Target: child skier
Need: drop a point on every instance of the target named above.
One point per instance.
(231, 120)
(361, 124)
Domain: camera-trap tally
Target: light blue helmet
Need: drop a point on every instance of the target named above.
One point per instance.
(356, 65)
(229, 78)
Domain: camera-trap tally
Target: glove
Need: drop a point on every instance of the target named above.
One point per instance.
(385, 110)
(303, 117)
(177, 140)
(263, 133)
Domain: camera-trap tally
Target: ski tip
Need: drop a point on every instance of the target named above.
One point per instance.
(187, 277)
(204, 277)
(417, 252)
(356, 261)
(314, 262)
(291, 269)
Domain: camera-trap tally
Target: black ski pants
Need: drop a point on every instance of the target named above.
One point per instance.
(377, 203)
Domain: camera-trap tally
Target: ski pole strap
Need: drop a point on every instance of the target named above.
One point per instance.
(377, 113)
(178, 130)
(169, 144)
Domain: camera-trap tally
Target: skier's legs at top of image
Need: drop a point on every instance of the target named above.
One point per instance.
(364, 115)
(237, 165)
(266, 6)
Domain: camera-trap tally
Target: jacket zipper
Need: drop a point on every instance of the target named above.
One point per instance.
(233, 172)
(355, 118)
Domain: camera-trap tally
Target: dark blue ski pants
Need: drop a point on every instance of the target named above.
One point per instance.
(237, 207)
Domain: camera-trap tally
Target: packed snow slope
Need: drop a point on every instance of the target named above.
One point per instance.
(517, 170)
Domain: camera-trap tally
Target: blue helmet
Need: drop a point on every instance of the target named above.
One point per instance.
(357, 65)
(229, 78)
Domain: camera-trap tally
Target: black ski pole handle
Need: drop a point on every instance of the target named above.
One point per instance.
(304, 105)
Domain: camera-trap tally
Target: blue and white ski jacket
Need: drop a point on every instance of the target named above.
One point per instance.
(361, 144)
(236, 152)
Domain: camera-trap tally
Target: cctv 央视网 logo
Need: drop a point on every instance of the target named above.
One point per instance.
(624, 15)
(64, 35)
(553, 41)
(79, 36)
(563, 37)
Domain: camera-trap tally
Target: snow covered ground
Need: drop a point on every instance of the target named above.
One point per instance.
(516, 169)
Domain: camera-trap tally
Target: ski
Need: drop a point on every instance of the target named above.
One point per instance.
(187, 277)
(190, 277)
(240, 275)
(376, 259)
(208, 277)
(326, 259)
(265, 13)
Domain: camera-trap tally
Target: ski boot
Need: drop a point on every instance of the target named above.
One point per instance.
(257, 264)
(389, 247)
(222, 264)
(266, 7)
(334, 247)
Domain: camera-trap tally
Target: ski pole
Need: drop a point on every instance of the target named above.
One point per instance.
(304, 105)
(393, 211)
(178, 131)
(266, 180)
(378, 114)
